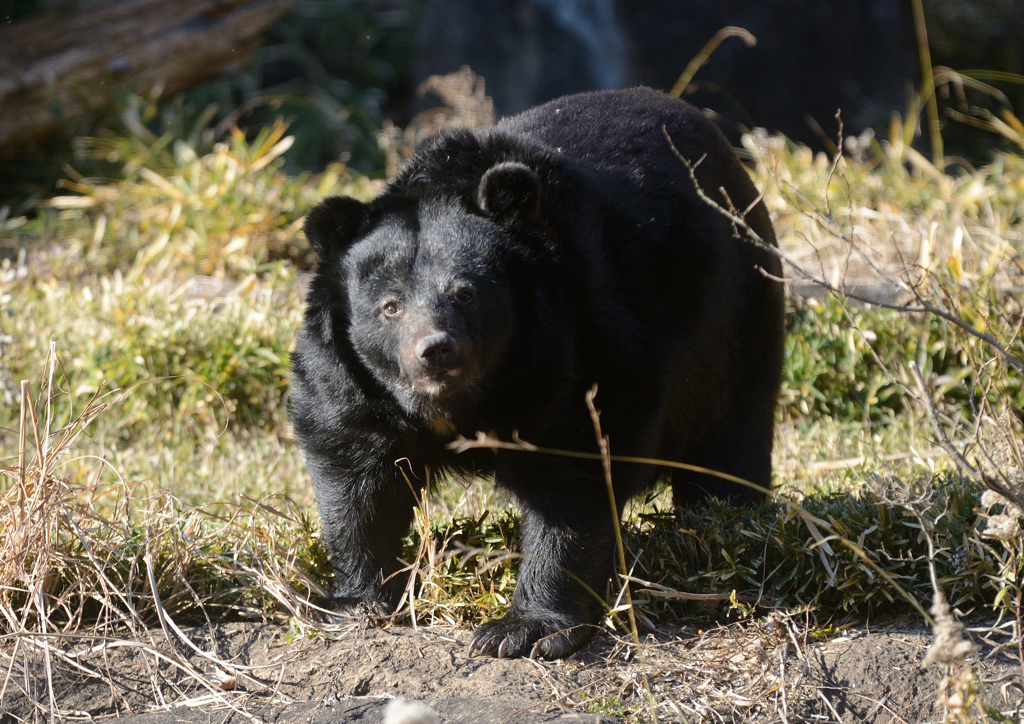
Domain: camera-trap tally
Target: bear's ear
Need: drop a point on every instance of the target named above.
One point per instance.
(332, 225)
(509, 191)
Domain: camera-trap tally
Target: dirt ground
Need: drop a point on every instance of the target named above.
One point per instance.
(764, 670)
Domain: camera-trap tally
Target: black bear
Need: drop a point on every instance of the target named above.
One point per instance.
(497, 278)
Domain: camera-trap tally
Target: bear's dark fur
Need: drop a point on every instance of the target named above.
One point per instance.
(496, 279)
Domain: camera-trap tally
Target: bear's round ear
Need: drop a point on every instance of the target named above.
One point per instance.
(332, 225)
(509, 191)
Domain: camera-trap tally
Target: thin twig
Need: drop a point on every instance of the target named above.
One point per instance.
(657, 590)
(22, 430)
(484, 441)
(606, 465)
(41, 606)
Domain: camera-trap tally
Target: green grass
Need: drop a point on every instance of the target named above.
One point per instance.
(849, 363)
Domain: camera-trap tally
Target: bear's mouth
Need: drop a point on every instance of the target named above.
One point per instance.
(438, 384)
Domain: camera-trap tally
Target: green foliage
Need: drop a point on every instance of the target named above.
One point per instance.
(195, 364)
(767, 554)
(848, 363)
(610, 705)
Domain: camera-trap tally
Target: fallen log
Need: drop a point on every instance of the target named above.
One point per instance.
(58, 66)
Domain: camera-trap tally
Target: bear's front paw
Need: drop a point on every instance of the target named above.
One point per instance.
(518, 635)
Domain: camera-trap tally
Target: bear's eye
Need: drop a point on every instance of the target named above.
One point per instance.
(465, 296)
(391, 309)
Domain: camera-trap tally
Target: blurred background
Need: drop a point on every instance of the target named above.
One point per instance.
(348, 73)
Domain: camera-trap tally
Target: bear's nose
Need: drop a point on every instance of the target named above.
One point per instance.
(437, 351)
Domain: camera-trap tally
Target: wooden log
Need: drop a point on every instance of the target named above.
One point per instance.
(57, 66)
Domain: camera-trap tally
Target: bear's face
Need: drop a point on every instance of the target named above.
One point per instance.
(427, 276)
(430, 305)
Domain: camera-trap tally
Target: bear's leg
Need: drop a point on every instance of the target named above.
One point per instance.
(567, 547)
(365, 511)
(739, 444)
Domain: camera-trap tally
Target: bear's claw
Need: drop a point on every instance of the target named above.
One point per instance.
(515, 636)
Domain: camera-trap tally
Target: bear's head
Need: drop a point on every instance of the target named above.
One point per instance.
(428, 278)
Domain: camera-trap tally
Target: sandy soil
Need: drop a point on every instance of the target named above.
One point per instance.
(764, 670)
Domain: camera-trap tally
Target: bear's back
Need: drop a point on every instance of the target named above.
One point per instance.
(621, 131)
(617, 139)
